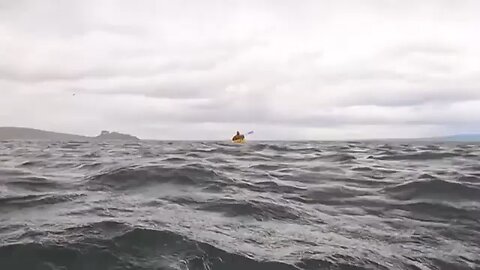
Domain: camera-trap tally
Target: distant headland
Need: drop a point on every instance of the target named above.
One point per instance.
(21, 133)
(459, 138)
(107, 135)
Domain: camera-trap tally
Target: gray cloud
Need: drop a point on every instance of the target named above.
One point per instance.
(319, 69)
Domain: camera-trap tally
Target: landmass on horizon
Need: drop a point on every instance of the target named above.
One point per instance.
(23, 133)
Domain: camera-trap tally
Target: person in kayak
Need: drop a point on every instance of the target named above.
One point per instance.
(238, 136)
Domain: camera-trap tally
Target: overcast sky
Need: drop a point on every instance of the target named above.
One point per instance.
(205, 69)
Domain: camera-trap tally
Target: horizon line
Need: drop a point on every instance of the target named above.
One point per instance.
(440, 137)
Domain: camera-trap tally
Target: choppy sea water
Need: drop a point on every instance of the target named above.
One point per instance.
(262, 205)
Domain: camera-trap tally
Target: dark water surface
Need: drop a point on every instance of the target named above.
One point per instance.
(214, 205)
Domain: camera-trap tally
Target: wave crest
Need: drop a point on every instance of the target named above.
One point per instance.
(131, 177)
(435, 189)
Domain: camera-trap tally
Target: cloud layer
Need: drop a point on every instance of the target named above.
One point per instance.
(204, 69)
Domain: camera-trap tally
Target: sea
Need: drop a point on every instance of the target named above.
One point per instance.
(222, 206)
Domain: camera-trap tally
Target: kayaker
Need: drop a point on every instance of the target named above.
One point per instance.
(238, 136)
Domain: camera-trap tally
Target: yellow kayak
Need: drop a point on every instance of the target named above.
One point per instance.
(239, 141)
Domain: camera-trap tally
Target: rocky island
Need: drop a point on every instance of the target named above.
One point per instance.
(107, 135)
(20, 133)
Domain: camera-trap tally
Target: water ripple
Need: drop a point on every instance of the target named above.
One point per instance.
(262, 205)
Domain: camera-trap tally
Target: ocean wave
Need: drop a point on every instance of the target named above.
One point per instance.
(340, 262)
(32, 183)
(283, 147)
(435, 189)
(10, 172)
(439, 211)
(431, 147)
(260, 205)
(54, 256)
(472, 179)
(422, 156)
(329, 195)
(151, 249)
(73, 145)
(268, 167)
(363, 169)
(340, 157)
(146, 249)
(91, 155)
(44, 156)
(277, 148)
(140, 176)
(89, 166)
(260, 210)
(174, 160)
(24, 201)
(33, 163)
(268, 186)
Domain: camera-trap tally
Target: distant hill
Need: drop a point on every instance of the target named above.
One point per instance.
(451, 138)
(106, 135)
(460, 138)
(18, 133)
